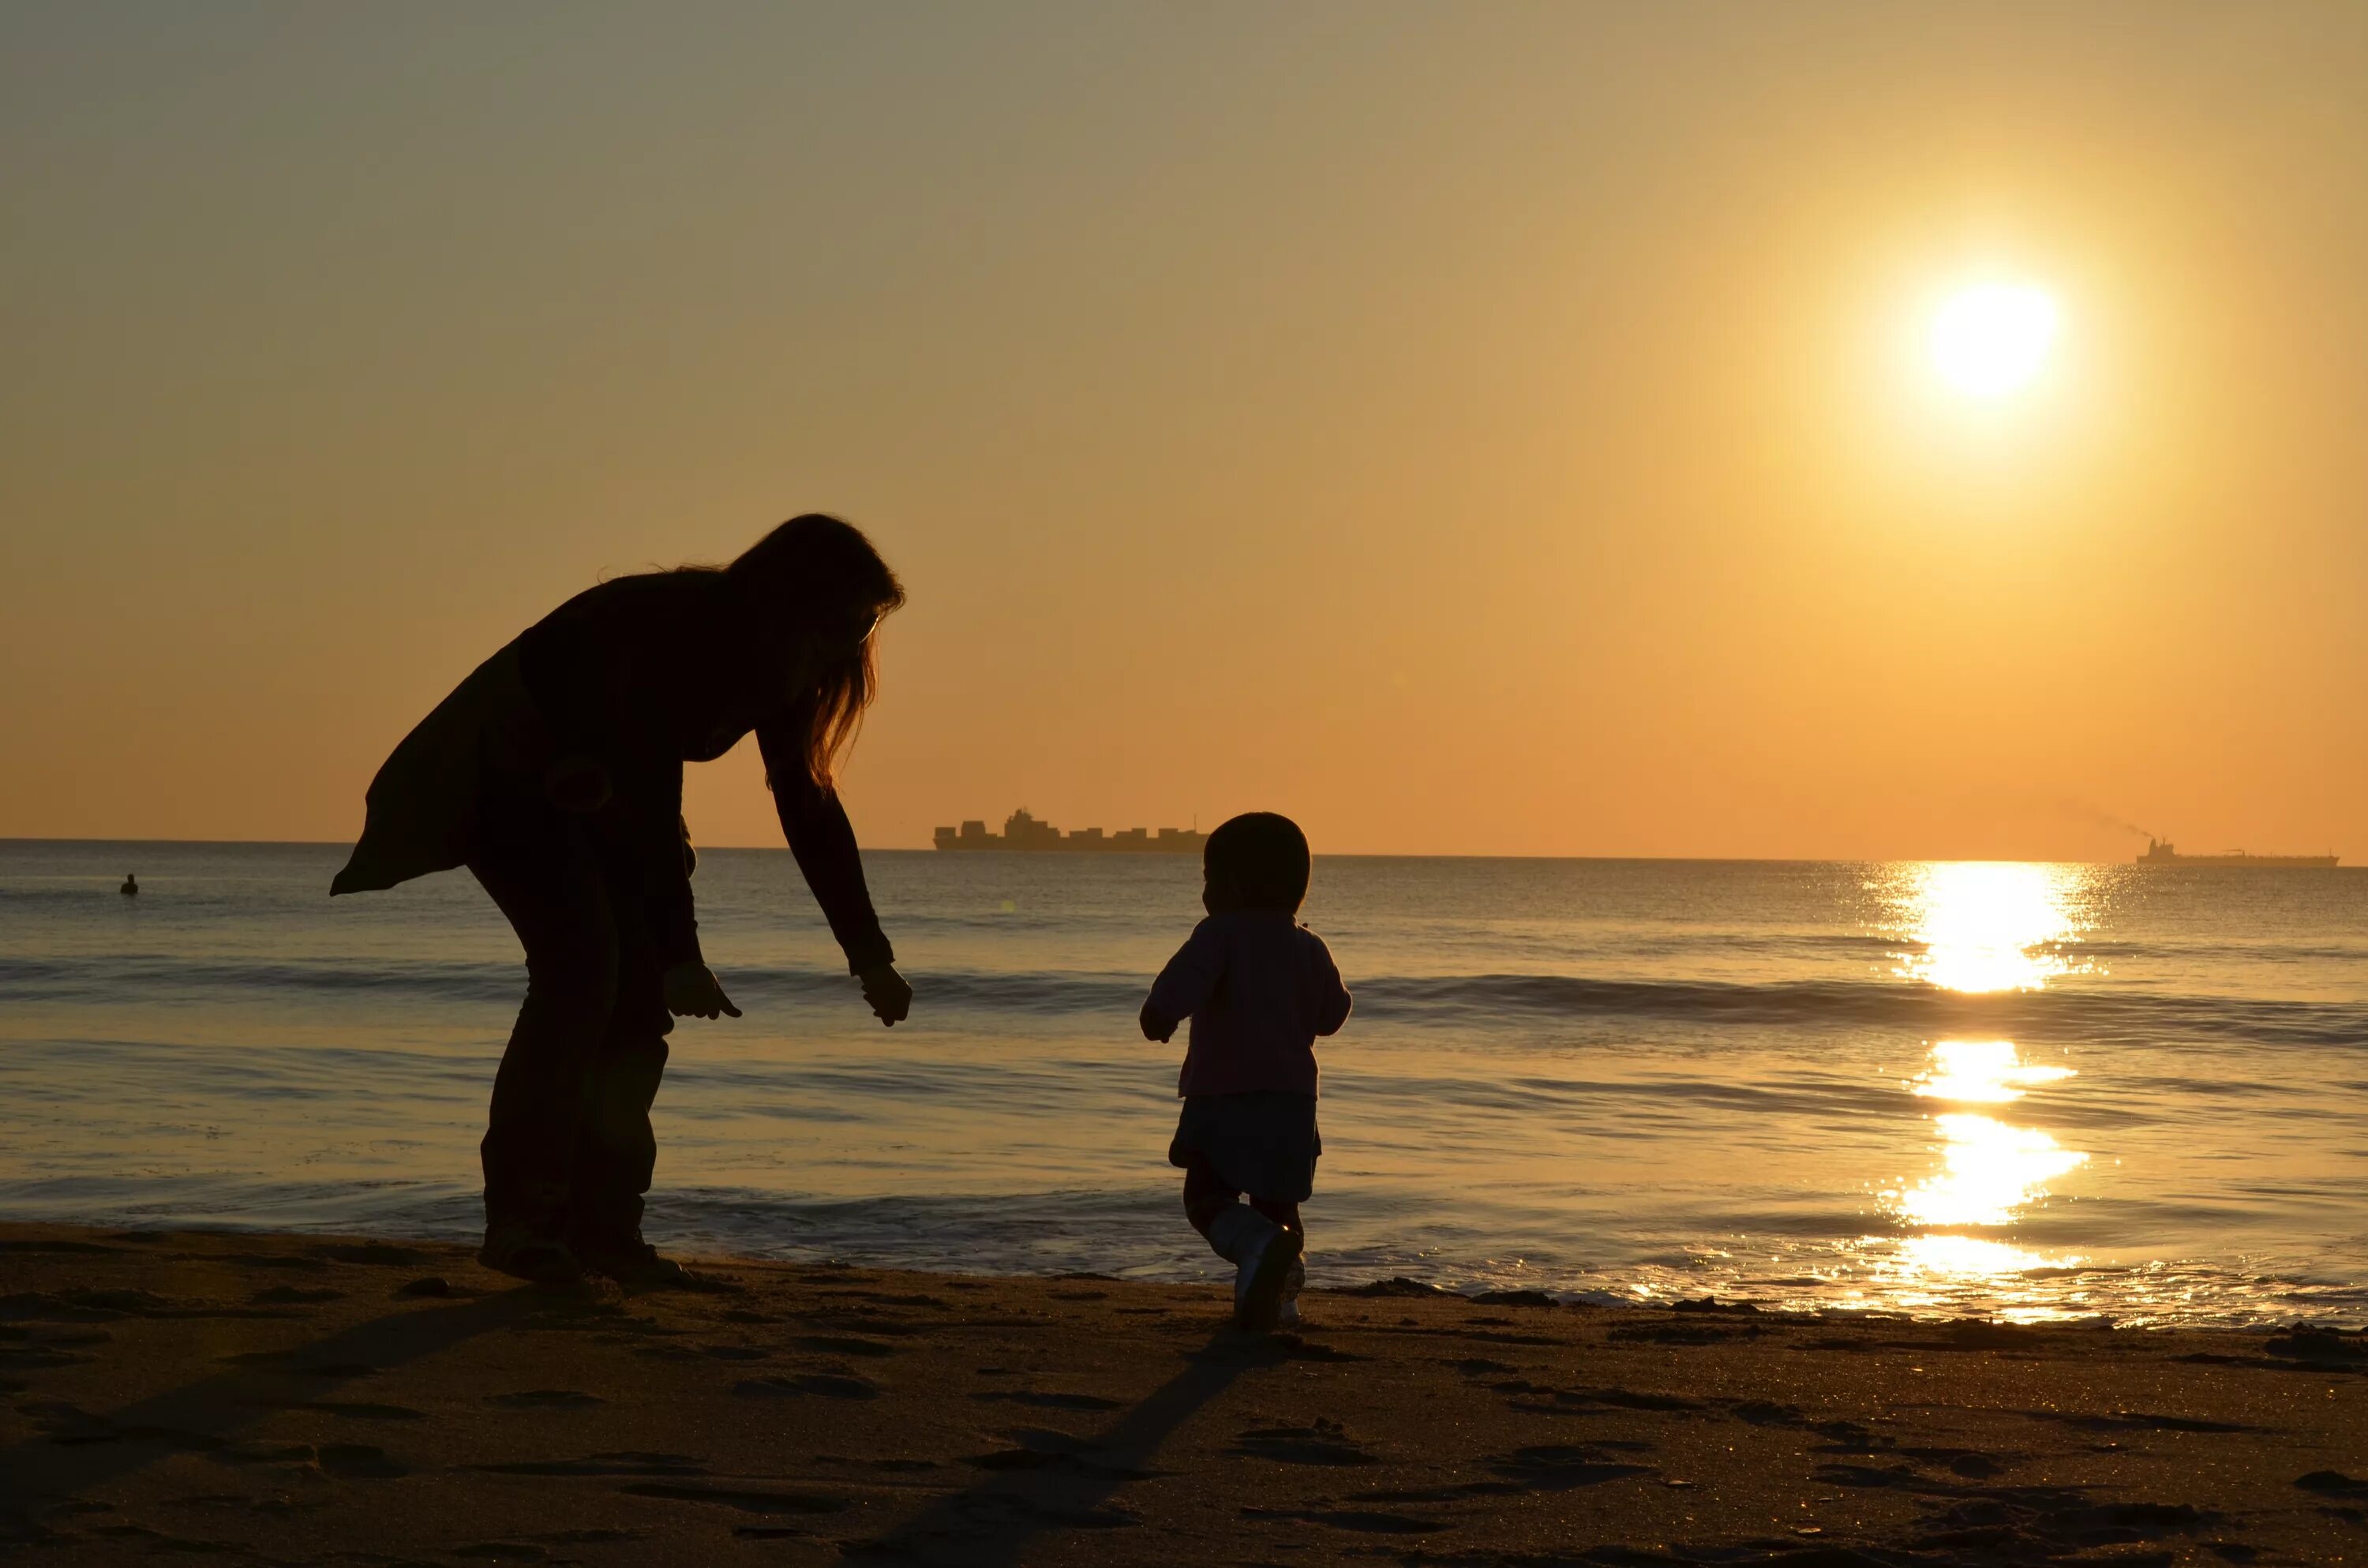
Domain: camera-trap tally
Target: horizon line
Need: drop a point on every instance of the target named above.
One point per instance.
(1321, 855)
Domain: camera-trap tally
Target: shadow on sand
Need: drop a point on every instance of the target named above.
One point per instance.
(1053, 1481)
(80, 1450)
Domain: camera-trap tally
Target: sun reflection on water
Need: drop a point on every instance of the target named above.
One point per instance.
(1982, 1072)
(1990, 926)
(1983, 927)
(1990, 1172)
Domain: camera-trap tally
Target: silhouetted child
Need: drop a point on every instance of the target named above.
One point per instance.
(1259, 987)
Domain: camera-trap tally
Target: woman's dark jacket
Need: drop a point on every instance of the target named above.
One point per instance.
(595, 707)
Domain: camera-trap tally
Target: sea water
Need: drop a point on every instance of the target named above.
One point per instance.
(2022, 1089)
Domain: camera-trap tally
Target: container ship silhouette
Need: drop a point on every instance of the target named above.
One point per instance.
(1024, 831)
(2161, 852)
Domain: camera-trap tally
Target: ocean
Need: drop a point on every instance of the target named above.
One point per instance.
(2029, 1091)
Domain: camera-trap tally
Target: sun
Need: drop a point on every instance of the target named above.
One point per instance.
(1993, 339)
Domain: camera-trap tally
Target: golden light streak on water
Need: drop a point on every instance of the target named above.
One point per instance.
(1988, 1172)
(1983, 1072)
(1982, 927)
(1963, 1257)
(1989, 925)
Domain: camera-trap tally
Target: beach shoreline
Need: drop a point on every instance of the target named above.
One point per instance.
(303, 1398)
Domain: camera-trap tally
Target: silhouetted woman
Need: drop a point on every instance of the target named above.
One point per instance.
(554, 774)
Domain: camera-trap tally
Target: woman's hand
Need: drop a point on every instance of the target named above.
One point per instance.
(691, 992)
(885, 989)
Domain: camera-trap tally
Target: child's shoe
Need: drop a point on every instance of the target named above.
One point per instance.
(1262, 1252)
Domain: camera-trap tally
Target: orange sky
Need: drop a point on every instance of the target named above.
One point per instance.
(1487, 429)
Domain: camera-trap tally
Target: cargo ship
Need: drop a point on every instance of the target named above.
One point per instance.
(2161, 852)
(1025, 833)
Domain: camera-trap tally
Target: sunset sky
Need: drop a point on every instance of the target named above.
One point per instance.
(1489, 428)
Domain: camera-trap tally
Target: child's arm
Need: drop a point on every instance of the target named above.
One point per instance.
(1183, 987)
(1332, 1002)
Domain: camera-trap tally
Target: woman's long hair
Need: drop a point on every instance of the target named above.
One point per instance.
(811, 593)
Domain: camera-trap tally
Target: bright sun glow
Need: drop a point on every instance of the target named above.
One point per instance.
(1989, 925)
(1993, 339)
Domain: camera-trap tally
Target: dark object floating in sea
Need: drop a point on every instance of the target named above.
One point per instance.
(130, 888)
(2162, 852)
(1024, 831)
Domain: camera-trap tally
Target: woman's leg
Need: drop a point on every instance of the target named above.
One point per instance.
(616, 1151)
(540, 873)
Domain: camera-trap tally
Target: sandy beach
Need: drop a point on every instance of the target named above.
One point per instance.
(303, 1399)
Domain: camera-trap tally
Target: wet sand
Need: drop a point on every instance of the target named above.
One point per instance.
(300, 1399)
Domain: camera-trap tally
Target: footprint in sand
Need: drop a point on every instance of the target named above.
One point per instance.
(1558, 1468)
(829, 1385)
(283, 1361)
(747, 1501)
(40, 1357)
(838, 1344)
(1581, 1400)
(1363, 1520)
(358, 1462)
(293, 1296)
(627, 1463)
(377, 1253)
(545, 1398)
(258, 1260)
(1323, 1443)
(269, 1453)
(1038, 1449)
(352, 1411)
(1681, 1334)
(71, 1425)
(1048, 1401)
(90, 1306)
(2133, 1421)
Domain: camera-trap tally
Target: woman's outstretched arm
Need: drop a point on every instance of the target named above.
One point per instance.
(823, 840)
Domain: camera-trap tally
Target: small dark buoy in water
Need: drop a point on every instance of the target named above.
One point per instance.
(130, 888)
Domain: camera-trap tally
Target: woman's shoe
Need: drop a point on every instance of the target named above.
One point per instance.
(528, 1252)
(1286, 1316)
(637, 1267)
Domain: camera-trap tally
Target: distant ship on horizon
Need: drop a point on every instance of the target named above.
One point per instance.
(2161, 852)
(1024, 831)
